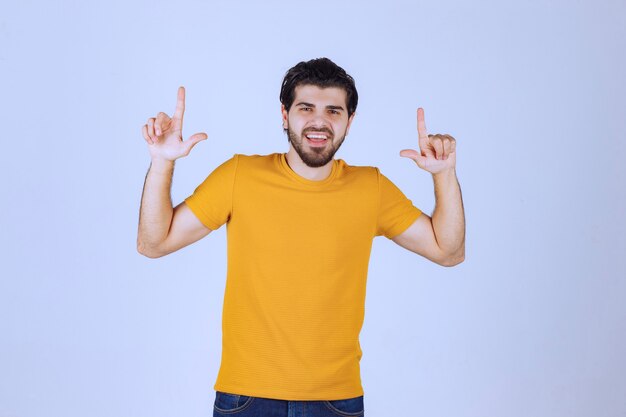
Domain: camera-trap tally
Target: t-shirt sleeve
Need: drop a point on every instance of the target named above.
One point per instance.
(212, 200)
(395, 212)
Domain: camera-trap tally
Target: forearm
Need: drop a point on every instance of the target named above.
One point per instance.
(155, 213)
(448, 218)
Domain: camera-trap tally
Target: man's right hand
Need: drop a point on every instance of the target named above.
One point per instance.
(165, 135)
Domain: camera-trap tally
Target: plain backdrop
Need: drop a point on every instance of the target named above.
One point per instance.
(533, 323)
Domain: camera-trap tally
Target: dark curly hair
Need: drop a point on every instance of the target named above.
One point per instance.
(323, 73)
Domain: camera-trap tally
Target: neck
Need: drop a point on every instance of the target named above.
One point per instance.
(305, 171)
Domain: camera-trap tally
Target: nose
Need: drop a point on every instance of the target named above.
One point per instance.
(318, 122)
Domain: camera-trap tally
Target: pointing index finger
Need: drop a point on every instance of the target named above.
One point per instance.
(421, 129)
(180, 104)
(421, 124)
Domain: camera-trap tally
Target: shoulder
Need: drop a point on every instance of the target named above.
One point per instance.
(256, 158)
(255, 161)
(358, 170)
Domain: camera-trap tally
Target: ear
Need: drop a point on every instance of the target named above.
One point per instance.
(350, 122)
(285, 116)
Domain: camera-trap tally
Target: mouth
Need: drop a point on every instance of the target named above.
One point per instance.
(317, 138)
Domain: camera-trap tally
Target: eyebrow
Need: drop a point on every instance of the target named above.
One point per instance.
(313, 105)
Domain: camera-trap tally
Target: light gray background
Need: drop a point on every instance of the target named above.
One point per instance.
(531, 324)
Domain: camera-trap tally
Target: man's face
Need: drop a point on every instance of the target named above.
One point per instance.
(317, 123)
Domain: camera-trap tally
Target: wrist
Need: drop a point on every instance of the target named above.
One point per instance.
(445, 173)
(161, 165)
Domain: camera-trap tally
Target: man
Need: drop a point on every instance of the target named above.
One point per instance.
(300, 229)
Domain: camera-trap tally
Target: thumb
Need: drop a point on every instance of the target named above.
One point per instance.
(194, 139)
(414, 155)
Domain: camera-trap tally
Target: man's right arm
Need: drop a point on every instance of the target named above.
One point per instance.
(163, 229)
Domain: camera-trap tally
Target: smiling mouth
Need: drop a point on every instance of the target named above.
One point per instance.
(317, 140)
(317, 137)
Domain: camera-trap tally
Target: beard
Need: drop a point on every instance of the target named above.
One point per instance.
(315, 156)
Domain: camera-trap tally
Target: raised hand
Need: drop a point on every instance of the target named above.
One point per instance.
(164, 135)
(437, 152)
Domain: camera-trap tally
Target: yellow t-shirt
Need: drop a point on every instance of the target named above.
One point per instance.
(298, 254)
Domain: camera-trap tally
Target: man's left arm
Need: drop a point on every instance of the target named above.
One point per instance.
(442, 237)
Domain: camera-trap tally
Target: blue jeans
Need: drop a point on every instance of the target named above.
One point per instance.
(244, 406)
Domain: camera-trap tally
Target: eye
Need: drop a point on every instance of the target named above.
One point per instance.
(334, 112)
(305, 108)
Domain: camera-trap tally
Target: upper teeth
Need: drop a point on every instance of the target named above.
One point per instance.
(317, 136)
